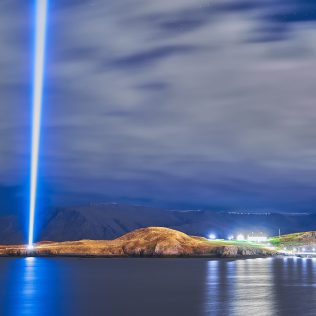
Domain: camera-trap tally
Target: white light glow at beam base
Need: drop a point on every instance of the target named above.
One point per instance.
(39, 60)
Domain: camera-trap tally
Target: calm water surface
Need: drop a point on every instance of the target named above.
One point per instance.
(46, 286)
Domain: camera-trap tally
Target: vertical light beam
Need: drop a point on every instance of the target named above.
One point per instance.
(39, 60)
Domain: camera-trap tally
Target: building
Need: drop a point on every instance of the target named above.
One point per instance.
(259, 238)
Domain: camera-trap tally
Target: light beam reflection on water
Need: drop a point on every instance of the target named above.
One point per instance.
(33, 288)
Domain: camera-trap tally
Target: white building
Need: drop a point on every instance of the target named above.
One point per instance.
(257, 238)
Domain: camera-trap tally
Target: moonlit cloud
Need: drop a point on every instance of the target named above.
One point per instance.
(174, 103)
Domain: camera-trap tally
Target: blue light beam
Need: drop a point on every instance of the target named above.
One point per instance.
(39, 60)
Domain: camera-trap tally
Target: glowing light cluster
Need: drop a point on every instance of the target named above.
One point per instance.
(39, 59)
(212, 236)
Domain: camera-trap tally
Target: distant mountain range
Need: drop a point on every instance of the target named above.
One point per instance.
(108, 221)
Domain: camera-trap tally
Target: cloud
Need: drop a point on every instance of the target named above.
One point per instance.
(147, 58)
(171, 102)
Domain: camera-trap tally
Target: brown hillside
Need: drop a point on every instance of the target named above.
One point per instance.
(145, 242)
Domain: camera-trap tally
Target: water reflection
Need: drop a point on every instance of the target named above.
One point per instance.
(239, 286)
(278, 286)
(33, 288)
(219, 287)
(28, 294)
(118, 287)
(294, 286)
(114, 287)
(254, 287)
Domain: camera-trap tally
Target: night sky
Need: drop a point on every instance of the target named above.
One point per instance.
(169, 103)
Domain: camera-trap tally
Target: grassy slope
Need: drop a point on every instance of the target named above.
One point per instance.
(297, 239)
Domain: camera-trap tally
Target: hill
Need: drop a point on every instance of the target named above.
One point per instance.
(145, 242)
(297, 239)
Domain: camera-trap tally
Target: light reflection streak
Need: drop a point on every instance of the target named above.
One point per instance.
(254, 287)
(26, 293)
(236, 287)
(219, 287)
(34, 288)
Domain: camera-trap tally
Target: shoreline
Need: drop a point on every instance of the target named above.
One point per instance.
(89, 256)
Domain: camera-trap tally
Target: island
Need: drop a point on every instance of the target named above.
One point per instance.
(143, 242)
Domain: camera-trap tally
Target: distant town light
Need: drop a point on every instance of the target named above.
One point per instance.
(240, 237)
(212, 236)
(230, 237)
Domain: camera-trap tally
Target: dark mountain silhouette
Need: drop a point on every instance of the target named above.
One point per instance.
(109, 221)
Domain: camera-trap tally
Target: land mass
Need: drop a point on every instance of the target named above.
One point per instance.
(304, 239)
(145, 242)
